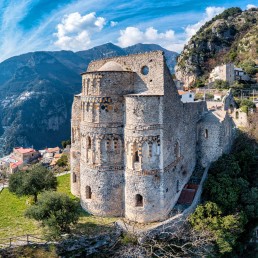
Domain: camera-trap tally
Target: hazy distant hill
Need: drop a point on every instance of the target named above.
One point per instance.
(231, 36)
(37, 89)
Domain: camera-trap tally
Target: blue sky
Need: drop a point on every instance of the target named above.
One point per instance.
(31, 25)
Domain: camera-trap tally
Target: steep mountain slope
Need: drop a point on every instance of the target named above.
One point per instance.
(229, 37)
(36, 93)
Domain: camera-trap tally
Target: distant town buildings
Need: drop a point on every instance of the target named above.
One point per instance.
(25, 154)
(229, 73)
(20, 157)
(241, 75)
(223, 72)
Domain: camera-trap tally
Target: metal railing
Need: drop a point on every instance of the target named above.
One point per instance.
(21, 240)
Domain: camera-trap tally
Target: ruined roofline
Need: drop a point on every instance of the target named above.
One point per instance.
(97, 72)
(143, 95)
(124, 56)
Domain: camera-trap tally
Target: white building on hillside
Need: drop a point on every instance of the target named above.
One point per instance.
(186, 96)
(240, 75)
(223, 72)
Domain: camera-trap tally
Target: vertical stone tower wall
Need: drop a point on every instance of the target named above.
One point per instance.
(102, 148)
(75, 152)
(143, 134)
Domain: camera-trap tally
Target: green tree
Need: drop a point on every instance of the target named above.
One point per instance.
(32, 182)
(63, 161)
(229, 179)
(226, 229)
(220, 84)
(249, 67)
(56, 211)
(65, 143)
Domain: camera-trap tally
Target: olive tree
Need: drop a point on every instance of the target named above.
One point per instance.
(32, 182)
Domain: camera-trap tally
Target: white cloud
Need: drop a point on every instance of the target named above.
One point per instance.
(133, 35)
(249, 6)
(75, 31)
(113, 23)
(168, 39)
(210, 12)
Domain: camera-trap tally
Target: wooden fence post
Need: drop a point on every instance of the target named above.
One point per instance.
(27, 238)
(10, 241)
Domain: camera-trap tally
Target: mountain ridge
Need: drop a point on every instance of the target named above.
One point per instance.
(229, 37)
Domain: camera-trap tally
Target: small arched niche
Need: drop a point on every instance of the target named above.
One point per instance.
(177, 150)
(206, 134)
(237, 114)
(89, 143)
(88, 192)
(138, 200)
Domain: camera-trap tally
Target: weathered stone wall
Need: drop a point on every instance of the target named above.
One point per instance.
(179, 142)
(75, 151)
(240, 118)
(153, 81)
(102, 149)
(134, 143)
(215, 136)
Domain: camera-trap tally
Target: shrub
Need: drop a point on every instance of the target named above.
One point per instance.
(220, 84)
(63, 161)
(226, 229)
(198, 96)
(65, 143)
(57, 211)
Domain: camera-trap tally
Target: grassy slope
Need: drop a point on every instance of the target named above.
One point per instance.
(13, 223)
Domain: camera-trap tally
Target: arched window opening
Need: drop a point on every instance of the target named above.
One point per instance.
(139, 200)
(87, 87)
(206, 135)
(177, 150)
(94, 86)
(237, 115)
(231, 109)
(136, 156)
(89, 142)
(88, 192)
(74, 178)
(87, 106)
(177, 186)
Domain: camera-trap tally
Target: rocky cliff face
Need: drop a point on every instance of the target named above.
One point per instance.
(228, 37)
(36, 94)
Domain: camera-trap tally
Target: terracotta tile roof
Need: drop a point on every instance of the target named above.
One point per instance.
(187, 194)
(24, 151)
(14, 165)
(51, 150)
(181, 92)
